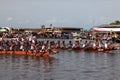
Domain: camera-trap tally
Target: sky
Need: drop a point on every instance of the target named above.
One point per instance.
(65, 13)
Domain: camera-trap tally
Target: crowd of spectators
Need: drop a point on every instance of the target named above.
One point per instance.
(48, 35)
(44, 35)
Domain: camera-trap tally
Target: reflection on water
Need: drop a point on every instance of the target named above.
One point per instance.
(66, 65)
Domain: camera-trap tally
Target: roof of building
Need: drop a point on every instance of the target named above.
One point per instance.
(63, 27)
(108, 26)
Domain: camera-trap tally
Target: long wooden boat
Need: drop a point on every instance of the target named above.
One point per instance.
(29, 53)
(76, 48)
(53, 51)
(14, 52)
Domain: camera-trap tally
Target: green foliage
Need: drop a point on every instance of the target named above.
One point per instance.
(117, 22)
(43, 26)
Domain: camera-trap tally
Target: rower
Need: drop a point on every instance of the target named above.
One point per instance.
(63, 45)
(106, 45)
(58, 45)
(70, 44)
(94, 45)
(43, 47)
(85, 44)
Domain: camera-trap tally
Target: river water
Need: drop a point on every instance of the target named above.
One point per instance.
(66, 65)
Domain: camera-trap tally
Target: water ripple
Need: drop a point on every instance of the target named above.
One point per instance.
(66, 65)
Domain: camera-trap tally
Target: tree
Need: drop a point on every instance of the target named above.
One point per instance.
(43, 26)
(117, 22)
(51, 25)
